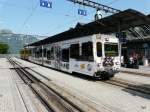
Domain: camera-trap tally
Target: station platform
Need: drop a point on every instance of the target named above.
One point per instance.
(10, 100)
(15, 96)
(143, 70)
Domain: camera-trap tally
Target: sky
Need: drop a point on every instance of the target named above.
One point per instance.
(27, 17)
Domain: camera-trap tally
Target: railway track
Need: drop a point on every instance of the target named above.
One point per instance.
(141, 88)
(53, 101)
(126, 85)
(137, 73)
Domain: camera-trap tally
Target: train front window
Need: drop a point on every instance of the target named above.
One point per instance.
(111, 49)
(99, 49)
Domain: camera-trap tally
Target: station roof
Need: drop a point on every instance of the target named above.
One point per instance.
(111, 24)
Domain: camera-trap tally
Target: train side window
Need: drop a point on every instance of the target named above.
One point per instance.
(37, 53)
(65, 55)
(52, 53)
(48, 54)
(44, 52)
(74, 51)
(87, 51)
(34, 52)
(40, 53)
(99, 49)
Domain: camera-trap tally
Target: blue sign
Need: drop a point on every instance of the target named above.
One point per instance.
(82, 12)
(46, 3)
(123, 40)
(122, 37)
(145, 45)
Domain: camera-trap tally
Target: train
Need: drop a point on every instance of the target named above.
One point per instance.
(24, 53)
(92, 49)
(95, 55)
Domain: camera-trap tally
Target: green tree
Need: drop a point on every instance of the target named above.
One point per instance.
(4, 48)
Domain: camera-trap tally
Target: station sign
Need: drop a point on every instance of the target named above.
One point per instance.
(145, 45)
(82, 12)
(122, 37)
(46, 3)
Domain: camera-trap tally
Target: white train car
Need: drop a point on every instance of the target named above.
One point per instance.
(94, 55)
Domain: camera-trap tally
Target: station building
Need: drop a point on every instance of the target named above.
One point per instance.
(139, 49)
(138, 44)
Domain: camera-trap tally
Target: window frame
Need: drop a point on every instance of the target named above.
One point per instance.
(75, 51)
(109, 43)
(65, 55)
(98, 50)
(86, 54)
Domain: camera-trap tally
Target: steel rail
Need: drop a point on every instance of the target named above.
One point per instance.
(52, 100)
(137, 73)
(125, 84)
(129, 85)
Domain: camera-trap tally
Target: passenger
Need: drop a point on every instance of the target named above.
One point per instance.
(136, 63)
(131, 62)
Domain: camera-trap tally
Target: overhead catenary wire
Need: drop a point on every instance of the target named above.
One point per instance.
(30, 15)
(60, 26)
(33, 11)
(112, 2)
(70, 22)
(9, 4)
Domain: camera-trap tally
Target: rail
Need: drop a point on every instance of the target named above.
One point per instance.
(54, 101)
(141, 88)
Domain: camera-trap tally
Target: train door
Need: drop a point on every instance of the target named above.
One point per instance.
(65, 57)
(57, 57)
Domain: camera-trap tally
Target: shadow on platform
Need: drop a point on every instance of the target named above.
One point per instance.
(139, 93)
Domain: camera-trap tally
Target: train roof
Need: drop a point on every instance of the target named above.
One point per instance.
(110, 24)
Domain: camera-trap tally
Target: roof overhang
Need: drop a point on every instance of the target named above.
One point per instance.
(111, 24)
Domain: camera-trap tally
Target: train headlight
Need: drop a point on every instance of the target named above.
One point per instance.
(117, 63)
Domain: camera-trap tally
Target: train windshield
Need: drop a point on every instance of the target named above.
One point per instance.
(111, 49)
